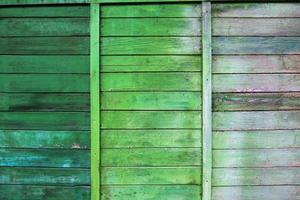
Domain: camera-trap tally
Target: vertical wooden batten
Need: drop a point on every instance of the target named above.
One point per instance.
(207, 101)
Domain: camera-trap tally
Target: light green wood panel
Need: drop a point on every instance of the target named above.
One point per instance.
(44, 139)
(150, 138)
(256, 158)
(44, 120)
(150, 175)
(44, 176)
(151, 81)
(258, 120)
(256, 139)
(150, 119)
(44, 158)
(151, 157)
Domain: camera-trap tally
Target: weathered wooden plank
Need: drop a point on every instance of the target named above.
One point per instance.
(256, 83)
(149, 45)
(44, 139)
(248, 27)
(151, 27)
(150, 138)
(151, 81)
(256, 64)
(258, 120)
(256, 101)
(150, 119)
(44, 158)
(44, 27)
(44, 82)
(256, 192)
(256, 45)
(45, 45)
(44, 64)
(44, 120)
(256, 176)
(146, 157)
(151, 101)
(151, 10)
(258, 9)
(150, 175)
(44, 176)
(44, 102)
(17, 192)
(257, 158)
(256, 139)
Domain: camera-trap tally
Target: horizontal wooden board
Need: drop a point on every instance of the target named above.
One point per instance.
(259, 9)
(17, 192)
(256, 83)
(150, 27)
(44, 176)
(44, 158)
(44, 83)
(150, 157)
(150, 63)
(256, 139)
(148, 45)
(44, 139)
(150, 119)
(151, 10)
(258, 120)
(44, 27)
(150, 175)
(45, 45)
(150, 138)
(44, 121)
(151, 101)
(256, 64)
(44, 64)
(151, 81)
(257, 158)
(143, 192)
(256, 192)
(256, 176)
(256, 45)
(249, 27)
(256, 101)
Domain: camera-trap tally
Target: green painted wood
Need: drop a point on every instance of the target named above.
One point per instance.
(150, 138)
(44, 139)
(151, 81)
(44, 64)
(259, 120)
(256, 139)
(44, 158)
(44, 82)
(146, 157)
(150, 175)
(42, 2)
(44, 176)
(257, 158)
(150, 119)
(150, 63)
(45, 45)
(151, 101)
(44, 121)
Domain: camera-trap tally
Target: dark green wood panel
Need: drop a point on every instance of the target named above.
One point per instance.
(44, 45)
(44, 158)
(145, 157)
(150, 138)
(44, 139)
(44, 120)
(44, 82)
(151, 81)
(150, 119)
